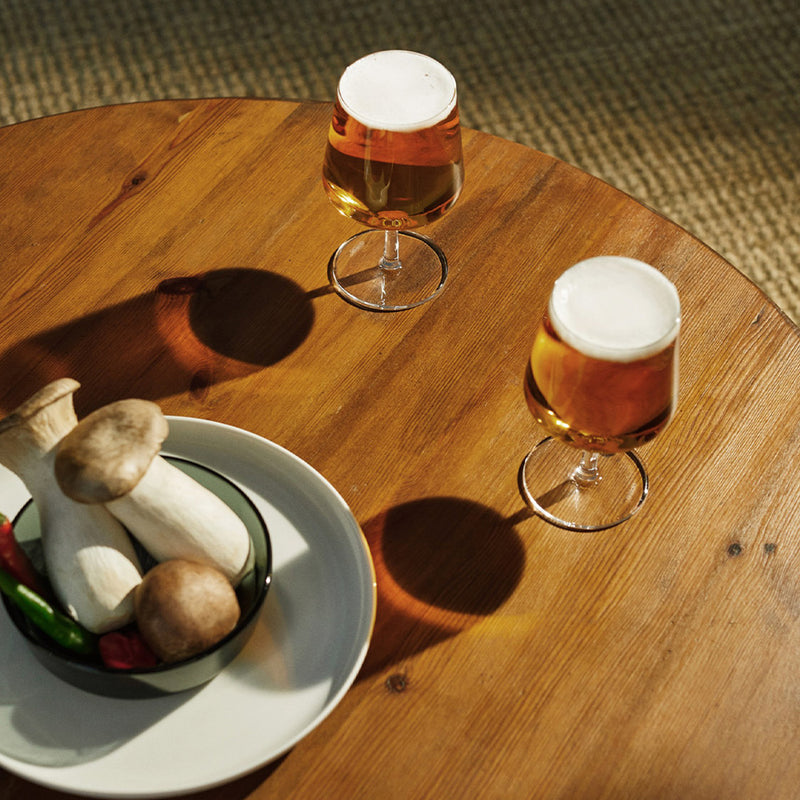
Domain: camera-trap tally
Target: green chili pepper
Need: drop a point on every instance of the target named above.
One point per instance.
(56, 625)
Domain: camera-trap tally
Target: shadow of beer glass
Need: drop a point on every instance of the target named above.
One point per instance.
(442, 564)
(188, 334)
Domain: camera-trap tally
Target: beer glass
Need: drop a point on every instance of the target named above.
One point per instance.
(601, 379)
(393, 162)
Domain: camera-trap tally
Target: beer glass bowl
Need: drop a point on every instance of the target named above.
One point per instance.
(393, 162)
(601, 380)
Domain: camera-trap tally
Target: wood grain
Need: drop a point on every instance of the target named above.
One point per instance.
(177, 251)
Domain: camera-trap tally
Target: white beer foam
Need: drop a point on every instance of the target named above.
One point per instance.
(397, 90)
(615, 308)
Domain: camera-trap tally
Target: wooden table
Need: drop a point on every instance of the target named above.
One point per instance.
(659, 659)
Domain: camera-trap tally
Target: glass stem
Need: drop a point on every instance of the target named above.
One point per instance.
(391, 250)
(587, 473)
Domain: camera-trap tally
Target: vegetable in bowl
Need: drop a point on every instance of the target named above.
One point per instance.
(77, 609)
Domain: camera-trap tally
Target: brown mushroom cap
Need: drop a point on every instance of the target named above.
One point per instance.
(106, 454)
(183, 608)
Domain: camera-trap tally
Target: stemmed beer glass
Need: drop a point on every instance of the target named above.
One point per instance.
(393, 162)
(602, 378)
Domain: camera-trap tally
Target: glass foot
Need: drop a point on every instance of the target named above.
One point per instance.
(556, 488)
(356, 273)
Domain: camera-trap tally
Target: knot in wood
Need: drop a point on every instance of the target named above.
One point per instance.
(735, 549)
(396, 683)
(200, 383)
(180, 286)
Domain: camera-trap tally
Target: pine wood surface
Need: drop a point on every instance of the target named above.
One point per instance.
(177, 251)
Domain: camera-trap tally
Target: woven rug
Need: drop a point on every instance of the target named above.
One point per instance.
(691, 106)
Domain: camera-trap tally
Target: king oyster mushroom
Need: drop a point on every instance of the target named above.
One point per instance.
(112, 457)
(90, 560)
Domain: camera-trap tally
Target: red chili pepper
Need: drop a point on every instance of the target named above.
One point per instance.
(13, 558)
(125, 649)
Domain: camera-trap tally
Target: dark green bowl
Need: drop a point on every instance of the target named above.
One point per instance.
(91, 675)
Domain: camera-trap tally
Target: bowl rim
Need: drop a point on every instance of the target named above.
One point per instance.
(91, 664)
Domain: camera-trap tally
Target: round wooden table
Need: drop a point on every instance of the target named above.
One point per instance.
(177, 251)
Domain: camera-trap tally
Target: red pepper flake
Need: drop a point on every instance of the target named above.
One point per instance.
(125, 649)
(13, 559)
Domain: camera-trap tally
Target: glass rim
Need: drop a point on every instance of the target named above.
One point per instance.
(375, 122)
(604, 351)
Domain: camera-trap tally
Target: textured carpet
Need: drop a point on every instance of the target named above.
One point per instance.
(691, 106)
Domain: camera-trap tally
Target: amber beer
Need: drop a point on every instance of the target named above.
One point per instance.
(393, 158)
(603, 368)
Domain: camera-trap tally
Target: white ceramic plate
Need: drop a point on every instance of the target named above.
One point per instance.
(306, 650)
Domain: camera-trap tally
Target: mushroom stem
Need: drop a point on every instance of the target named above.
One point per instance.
(173, 516)
(90, 560)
